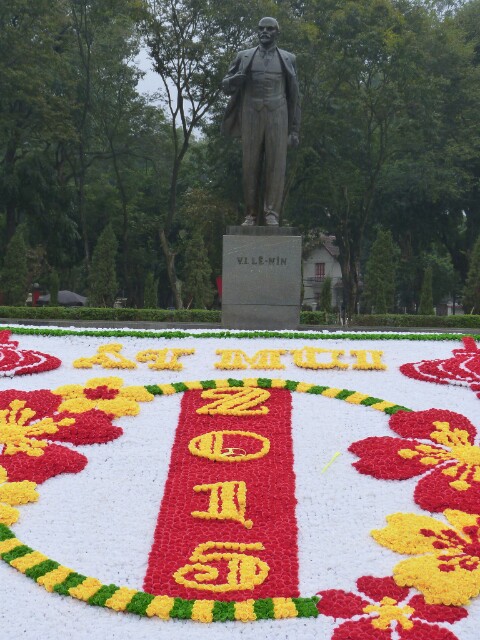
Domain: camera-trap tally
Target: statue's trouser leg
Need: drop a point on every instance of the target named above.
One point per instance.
(253, 135)
(276, 139)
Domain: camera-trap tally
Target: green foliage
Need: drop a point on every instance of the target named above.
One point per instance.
(14, 275)
(426, 294)
(311, 318)
(197, 287)
(409, 320)
(318, 318)
(101, 314)
(204, 210)
(380, 272)
(390, 126)
(103, 274)
(471, 293)
(390, 133)
(53, 286)
(325, 299)
(443, 274)
(150, 295)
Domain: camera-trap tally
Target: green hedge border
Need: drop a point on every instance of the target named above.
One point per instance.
(174, 334)
(98, 314)
(315, 318)
(405, 320)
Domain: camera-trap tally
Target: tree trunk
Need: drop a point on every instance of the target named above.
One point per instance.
(349, 267)
(172, 275)
(11, 200)
(83, 215)
(125, 241)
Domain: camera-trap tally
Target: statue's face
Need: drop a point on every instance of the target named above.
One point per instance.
(268, 31)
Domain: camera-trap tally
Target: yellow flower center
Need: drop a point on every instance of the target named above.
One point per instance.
(457, 448)
(388, 612)
(468, 454)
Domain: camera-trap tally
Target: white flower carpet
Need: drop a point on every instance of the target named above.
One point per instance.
(190, 485)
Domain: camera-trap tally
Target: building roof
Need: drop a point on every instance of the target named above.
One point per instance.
(316, 239)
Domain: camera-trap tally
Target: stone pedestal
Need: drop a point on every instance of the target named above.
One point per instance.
(261, 278)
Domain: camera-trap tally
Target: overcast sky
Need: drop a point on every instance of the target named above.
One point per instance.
(151, 81)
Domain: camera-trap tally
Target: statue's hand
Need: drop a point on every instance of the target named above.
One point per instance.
(237, 80)
(293, 140)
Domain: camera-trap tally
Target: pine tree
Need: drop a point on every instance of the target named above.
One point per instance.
(150, 292)
(426, 294)
(103, 274)
(471, 293)
(197, 286)
(325, 301)
(14, 277)
(380, 270)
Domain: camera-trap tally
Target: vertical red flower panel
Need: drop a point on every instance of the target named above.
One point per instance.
(227, 527)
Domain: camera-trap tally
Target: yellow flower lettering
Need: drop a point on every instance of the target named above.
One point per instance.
(243, 571)
(108, 356)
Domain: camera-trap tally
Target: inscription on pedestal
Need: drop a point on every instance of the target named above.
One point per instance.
(263, 260)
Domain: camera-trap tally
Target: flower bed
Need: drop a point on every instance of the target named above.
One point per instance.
(309, 485)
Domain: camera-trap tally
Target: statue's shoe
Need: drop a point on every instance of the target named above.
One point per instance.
(271, 219)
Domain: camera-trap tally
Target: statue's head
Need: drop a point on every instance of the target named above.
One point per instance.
(268, 31)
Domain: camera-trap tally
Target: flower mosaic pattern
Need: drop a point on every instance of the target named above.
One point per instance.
(446, 566)
(17, 362)
(30, 423)
(436, 444)
(438, 447)
(382, 608)
(106, 394)
(13, 494)
(462, 368)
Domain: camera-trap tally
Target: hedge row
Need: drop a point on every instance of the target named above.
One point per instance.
(202, 315)
(140, 315)
(93, 313)
(404, 320)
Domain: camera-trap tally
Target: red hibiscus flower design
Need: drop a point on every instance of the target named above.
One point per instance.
(30, 421)
(438, 444)
(384, 608)
(462, 368)
(16, 362)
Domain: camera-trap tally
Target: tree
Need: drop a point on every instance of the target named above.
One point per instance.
(14, 275)
(33, 114)
(150, 295)
(325, 299)
(103, 274)
(443, 274)
(101, 51)
(471, 293)
(379, 290)
(191, 44)
(201, 208)
(388, 82)
(426, 294)
(197, 286)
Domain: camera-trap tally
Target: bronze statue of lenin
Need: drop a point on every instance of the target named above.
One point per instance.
(264, 111)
